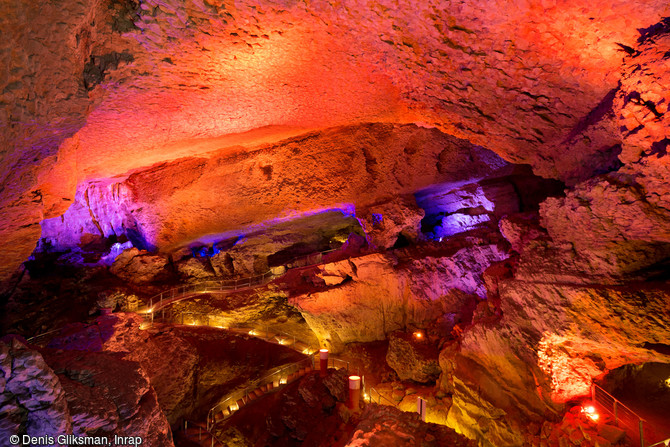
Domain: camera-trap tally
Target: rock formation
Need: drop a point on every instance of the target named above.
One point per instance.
(158, 142)
(368, 297)
(540, 69)
(94, 394)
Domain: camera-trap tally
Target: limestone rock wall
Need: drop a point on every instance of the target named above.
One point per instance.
(101, 210)
(32, 398)
(101, 88)
(624, 216)
(171, 204)
(370, 296)
(60, 393)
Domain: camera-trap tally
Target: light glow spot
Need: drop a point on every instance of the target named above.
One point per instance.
(418, 335)
(590, 412)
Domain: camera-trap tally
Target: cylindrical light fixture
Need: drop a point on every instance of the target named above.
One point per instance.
(354, 392)
(323, 362)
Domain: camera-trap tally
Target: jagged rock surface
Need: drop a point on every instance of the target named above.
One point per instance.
(385, 425)
(33, 400)
(380, 296)
(412, 358)
(181, 79)
(175, 203)
(139, 266)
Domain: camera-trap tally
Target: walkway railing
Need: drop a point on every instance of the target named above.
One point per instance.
(176, 294)
(200, 434)
(38, 340)
(269, 383)
(237, 399)
(623, 416)
(381, 399)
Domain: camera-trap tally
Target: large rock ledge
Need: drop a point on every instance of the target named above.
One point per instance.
(368, 297)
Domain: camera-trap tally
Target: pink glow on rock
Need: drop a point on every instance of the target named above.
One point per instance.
(571, 374)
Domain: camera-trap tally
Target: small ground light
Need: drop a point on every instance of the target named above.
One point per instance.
(418, 335)
(590, 412)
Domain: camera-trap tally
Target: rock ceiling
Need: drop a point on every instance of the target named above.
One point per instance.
(95, 89)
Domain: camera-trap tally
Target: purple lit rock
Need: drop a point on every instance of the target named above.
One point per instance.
(33, 398)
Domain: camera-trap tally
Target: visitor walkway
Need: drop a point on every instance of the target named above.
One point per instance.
(227, 286)
(276, 378)
(647, 431)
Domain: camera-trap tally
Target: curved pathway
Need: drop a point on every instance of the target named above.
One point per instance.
(176, 294)
(202, 433)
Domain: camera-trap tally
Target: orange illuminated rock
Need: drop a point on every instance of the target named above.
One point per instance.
(349, 169)
(380, 296)
(95, 91)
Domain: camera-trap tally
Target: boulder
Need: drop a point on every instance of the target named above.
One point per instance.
(413, 358)
(383, 223)
(612, 434)
(194, 269)
(385, 425)
(223, 265)
(108, 395)
(158, 354)
(140, 267)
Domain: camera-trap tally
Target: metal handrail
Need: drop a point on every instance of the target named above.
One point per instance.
(181, 290)
(211, 286)
(230, 400)
(31, 340)
(215, 440)
(380, 397)
(277, 377)
(617, 408)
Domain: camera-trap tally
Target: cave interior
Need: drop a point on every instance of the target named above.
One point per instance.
(317, 223)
